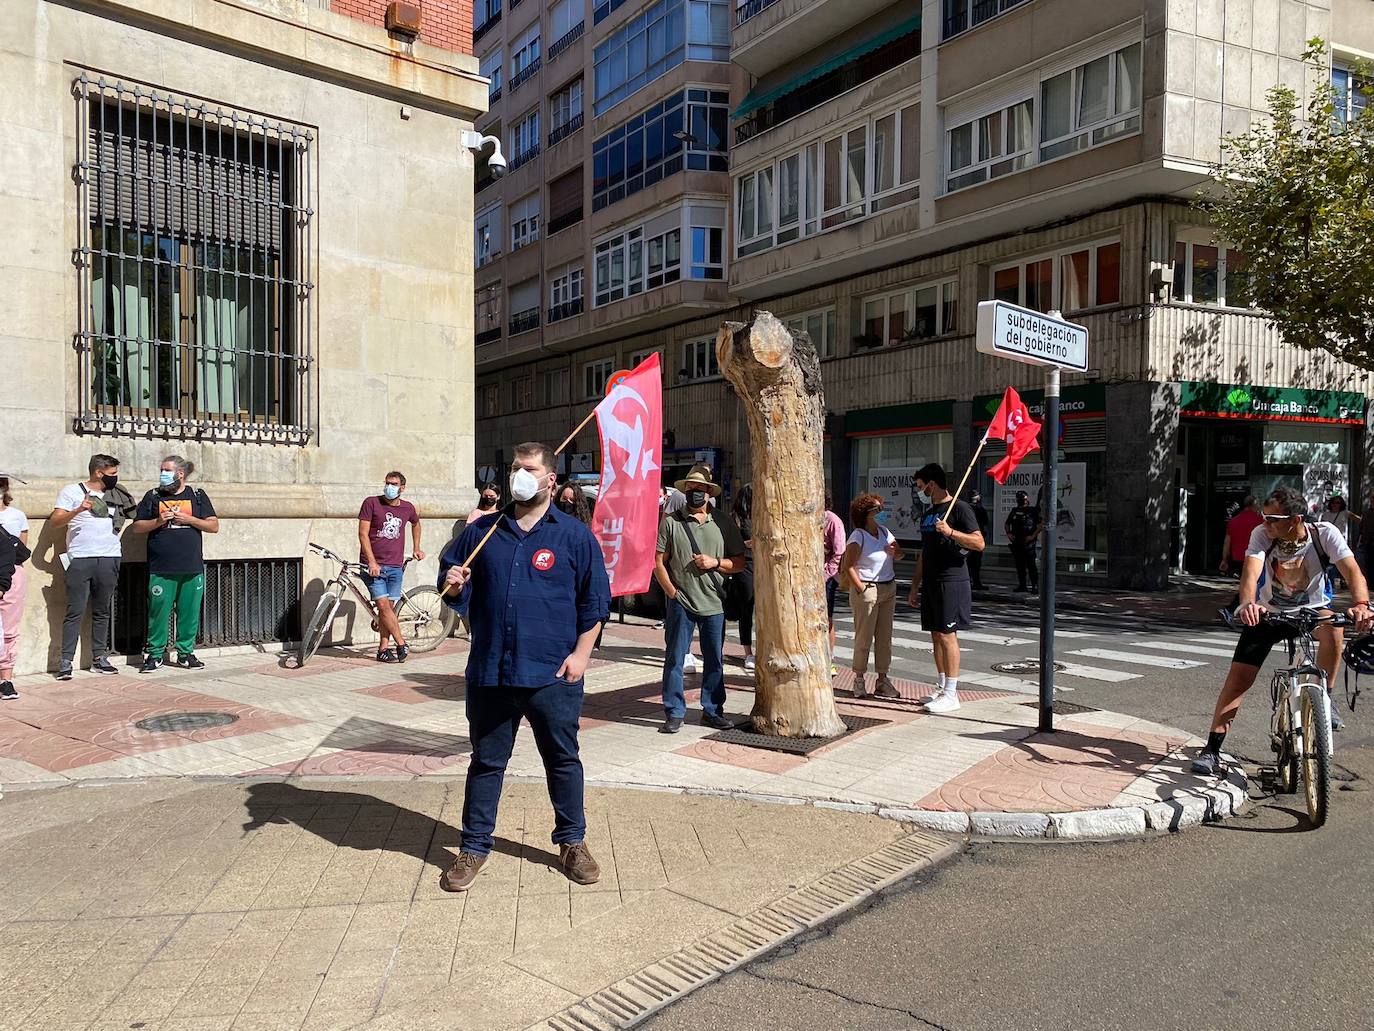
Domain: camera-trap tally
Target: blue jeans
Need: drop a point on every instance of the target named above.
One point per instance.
(678, 625)
(386, 585)
(494, 715)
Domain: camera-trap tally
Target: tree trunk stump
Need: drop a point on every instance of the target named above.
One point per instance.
(778, 378)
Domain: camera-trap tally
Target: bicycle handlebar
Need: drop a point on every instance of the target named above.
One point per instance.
(360, 566)
(1299, 619)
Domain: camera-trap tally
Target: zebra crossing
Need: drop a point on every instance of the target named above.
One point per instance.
(1089, 649)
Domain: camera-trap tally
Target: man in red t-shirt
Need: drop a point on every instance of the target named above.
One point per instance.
(382, 549)
(1238, 530)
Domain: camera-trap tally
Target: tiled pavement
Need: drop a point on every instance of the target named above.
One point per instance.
(345, 715)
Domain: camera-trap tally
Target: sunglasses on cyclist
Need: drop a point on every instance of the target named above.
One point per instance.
(1268, 518)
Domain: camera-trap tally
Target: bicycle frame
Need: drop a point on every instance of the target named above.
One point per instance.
(1287, 684)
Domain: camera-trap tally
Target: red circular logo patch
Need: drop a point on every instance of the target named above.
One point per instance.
(543, 560)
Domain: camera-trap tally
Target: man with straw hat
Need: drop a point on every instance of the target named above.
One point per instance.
(694, 555)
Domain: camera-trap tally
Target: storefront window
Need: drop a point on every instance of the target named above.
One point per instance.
(907, 451)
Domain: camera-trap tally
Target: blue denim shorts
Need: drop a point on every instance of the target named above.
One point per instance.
(387, 585)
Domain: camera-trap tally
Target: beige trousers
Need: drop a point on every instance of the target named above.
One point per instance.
(873, 611)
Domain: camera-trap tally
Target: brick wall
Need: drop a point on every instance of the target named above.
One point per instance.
(443, 23)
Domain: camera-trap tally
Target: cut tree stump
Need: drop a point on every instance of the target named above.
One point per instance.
(778, 378)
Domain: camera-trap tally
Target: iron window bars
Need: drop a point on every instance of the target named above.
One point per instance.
(196, 290)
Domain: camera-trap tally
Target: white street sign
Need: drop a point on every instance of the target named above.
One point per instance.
(1023, 335)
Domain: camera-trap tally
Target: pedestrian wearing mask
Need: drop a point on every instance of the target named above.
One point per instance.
(93, 513)
(15, 524)
(571, 501)
(1023, 527)
(695, 553)
(175, 516)
(949, 534)
(536, 594)
(382, 545)
(488, 497)
(869, 572)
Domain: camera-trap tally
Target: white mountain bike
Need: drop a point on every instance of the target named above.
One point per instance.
(424, 618)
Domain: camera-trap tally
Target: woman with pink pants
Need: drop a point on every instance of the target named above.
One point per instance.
(12, 604)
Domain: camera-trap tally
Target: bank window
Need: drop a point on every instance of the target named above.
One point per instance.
(993, 145)
(698, 360)
(819, 325)
(1092, 104)
(524, 136)
(196, 273)
(555, 386)
(1085, 276)
(655, 41)
(491, 68)
(488, 235)
(1208, 272)
(910, 314)
(524, 221)
(647, 148)
(594, 377)
(489, 399)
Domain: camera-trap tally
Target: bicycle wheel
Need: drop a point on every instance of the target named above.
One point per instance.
(424, 618)
(1316, 751)
(1285, 746)
(318, 626)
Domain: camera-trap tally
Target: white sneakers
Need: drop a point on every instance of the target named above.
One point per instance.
(749, 664)
(689, 663)
(943, 701)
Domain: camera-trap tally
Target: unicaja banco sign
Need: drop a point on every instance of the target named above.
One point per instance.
(1230, 401)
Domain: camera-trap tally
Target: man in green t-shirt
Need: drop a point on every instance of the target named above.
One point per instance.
(696, 552)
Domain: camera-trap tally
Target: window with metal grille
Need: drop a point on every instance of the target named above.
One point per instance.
(247, 601)
(196, 293)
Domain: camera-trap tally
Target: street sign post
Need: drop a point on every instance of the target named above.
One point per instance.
(1034, 338)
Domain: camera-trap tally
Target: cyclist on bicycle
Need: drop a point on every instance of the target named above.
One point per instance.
(1284, 571)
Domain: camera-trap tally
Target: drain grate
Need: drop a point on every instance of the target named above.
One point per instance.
(180, 722)
(1024, 666)
(743, 735)
(1063, 708)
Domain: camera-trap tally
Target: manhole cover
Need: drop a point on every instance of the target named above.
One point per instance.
(742, 735)
(1064, 708)
(174, 722)
(1024, 666)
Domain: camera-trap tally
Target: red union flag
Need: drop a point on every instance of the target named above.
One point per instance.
(1012, 423)
(631, 423)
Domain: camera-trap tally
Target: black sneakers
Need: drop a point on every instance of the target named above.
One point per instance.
(716, 722)
(187, 661)
(105, 666)
(1209, 764)
(7, 692)
(150, 664)
(402, 650)
(671, 725)
(64, 671)
(386, 655)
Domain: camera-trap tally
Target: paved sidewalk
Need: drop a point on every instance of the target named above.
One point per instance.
(983, 770)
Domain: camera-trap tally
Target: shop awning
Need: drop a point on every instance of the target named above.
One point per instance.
(757, 99)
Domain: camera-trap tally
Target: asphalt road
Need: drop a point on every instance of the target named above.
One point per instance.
(1261, 922)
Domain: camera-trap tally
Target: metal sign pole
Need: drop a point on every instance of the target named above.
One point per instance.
(1049, 513)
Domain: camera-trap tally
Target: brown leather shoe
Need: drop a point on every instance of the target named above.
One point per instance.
(578, 863)
(462, 873)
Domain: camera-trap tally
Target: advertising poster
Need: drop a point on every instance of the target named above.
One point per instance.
(896, 486)
(1073, 481)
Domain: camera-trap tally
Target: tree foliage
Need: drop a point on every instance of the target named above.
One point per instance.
(1296, 198)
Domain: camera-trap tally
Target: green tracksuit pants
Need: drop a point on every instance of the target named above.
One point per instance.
(180, 593)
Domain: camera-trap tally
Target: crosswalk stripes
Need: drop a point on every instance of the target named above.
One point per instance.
(1138, 658)
(1186, 649)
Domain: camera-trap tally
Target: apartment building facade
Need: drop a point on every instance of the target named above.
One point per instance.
(893, 164)
(239, 232)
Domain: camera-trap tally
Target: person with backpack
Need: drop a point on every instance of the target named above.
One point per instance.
(694, 555)
(174, 516)
(1023, 528)
(14, 544)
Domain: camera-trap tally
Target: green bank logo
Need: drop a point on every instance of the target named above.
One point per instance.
(1238, 398)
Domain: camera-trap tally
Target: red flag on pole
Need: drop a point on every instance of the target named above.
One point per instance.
(1013, 423)
(630, 420)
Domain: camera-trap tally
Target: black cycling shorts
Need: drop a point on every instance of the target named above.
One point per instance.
(832, 586)
(1256, 642)
(946, 605)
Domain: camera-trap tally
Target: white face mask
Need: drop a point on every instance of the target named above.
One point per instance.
(923, 497)
(524, 485)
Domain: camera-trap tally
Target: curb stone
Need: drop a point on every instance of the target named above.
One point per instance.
(1011, 825)
(1098, 823)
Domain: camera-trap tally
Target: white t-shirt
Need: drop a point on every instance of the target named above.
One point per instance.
(13, 520)
(87, 536)
(1340, 520)
(1296, 581)
(874, 564)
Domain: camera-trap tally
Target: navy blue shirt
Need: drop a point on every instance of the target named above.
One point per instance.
(530, 597)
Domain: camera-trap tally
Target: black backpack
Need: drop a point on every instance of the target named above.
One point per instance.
(21, 550)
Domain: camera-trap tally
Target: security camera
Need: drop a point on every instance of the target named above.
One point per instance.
(477, 143)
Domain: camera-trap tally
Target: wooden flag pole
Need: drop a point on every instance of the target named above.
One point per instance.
(967, 472)
(559, 450)
(481, 544)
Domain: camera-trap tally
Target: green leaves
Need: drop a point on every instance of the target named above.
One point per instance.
(1298, 203)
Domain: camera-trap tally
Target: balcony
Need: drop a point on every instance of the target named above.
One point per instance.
(525, 74)
(566, 40)
(772, 33)
(481, 30)
(559, 133)
(524, 157)
(494, 95)
(487, 336)
(524, 321)
(563, 221)
(763, 109)
(566, 310)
